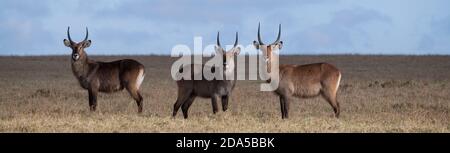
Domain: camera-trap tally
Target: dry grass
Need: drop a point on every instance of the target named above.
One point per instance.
(377, 94)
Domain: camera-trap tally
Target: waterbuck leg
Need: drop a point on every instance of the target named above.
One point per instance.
(92, 99)
(139, 102)
(134, 92)
(225, 103)
(337, 111)
(282, 106)
(214, 104)
(137, 97)
(186, 105)
(282, 100)
(331, 99)
(176, 106)
(183, 95)
(286, 107)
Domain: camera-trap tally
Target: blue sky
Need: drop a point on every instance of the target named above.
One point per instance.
(29, 27)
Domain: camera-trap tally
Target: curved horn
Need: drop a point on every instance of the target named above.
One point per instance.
(218, 41)
(87, 34)
(259, 34)
(236, 41)
(68, 35)
(279, 35)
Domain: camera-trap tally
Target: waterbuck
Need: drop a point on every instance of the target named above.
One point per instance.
(188, 90)
(302, 81)
(104, 76)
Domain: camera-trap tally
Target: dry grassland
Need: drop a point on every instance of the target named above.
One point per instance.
(377, 94)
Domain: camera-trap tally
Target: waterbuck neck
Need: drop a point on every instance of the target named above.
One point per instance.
(272, 59)
(273, 71)
(229, 77)
(228, 83)
(80, 68)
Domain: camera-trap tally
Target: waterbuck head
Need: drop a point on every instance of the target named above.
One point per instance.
(268, 49)
(77, 48)
(228, 56)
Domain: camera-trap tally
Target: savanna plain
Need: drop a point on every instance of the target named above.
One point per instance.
(376, 94)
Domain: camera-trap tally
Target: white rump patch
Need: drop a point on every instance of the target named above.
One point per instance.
(140, 78)
(338, 82)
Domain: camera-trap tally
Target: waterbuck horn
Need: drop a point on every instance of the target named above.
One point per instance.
(218, 41)
(87, 34)
(279, 35)
(236, 41)
(259, 34)
(68, 34)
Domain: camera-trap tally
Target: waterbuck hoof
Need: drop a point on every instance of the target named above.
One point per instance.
(336, 115)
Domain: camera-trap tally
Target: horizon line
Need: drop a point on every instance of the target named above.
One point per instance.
(151, 54)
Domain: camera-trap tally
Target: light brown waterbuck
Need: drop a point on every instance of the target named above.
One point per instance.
(104, 76)
(302, 81)
(189, 89)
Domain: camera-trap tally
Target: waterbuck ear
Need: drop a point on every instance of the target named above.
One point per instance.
(219, 50)
(67, 43)
(256, 44)
(236, 51)
(279, 45)
(86, 44)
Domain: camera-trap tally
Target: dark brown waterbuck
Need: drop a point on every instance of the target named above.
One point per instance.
(189, 89)
(302, 81)
(105, 76)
